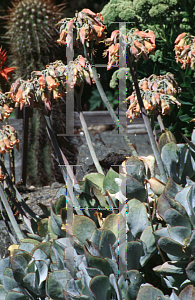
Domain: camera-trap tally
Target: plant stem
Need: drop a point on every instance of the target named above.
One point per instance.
(10, 214)
(86, 132)
(62, 164)
(160, 122)
(107, 103)
(146, 120)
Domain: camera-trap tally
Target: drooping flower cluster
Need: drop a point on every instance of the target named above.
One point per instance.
(54, 81)
(5, 110)
(185, 50)
(8, 139)
(157, 93)
(85, 26)
(137, 42)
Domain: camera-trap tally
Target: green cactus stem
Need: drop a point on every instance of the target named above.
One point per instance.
(32, 33)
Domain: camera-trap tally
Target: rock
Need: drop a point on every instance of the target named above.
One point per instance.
(108, 157)
(32, 188)
(56, 185)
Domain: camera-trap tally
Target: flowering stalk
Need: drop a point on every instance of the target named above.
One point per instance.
(86, 132)
(10, 214)
(146, 119)
(62, 162)
(110, 109)
(88, 28)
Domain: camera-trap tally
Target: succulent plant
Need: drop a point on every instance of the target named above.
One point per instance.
(107, 252)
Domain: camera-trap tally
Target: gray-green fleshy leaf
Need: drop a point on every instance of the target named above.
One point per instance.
(172, 248)
(101, 288)
(19, 263)
(56, 283)
(170, 158)
(175, 218)
(148, 291)
(137, 219)
(171, 268)
(109, 181)
(190, 271)
(97, 262)
(150, 248)
(187, 293)
(135, 168)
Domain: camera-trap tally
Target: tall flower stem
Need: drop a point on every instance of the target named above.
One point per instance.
(107, 103)
(10, 214)
(86, 132)
(146, 119)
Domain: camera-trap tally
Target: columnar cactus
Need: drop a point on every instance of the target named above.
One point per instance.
(33, 34)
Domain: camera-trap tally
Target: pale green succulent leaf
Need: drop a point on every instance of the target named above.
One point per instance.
(83, 228)
(132, 202)
(170, 268)
(54, 225)
(161, 232)
(60, 203)
(165, 202)
(109, 181)
(4, 263)
(96, 179)
(190, 271)
(45, 247)
(175, 218)
(150, 248)
(19, 263)
(132, 188)
(28, 244)
(95, 238)
(94, 272)
(137, 219)
(42, 271)
(191, 244)
(101, 288)
(97, 262)
(170, 158)
(114, 283)
(172, 248)
(3, 292)
(186, 198)
(85, 279)
(148, 291)
(179, 233)
(187, 293)
(132, 291)
(113, 222)
(107, 238)
(88, 204)
(16, 296)
(172, 188)
(174, 296)
(34, 237)
(29, 282)
(134, 167)
(43, 227)
(8, 281)
(56, 283)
